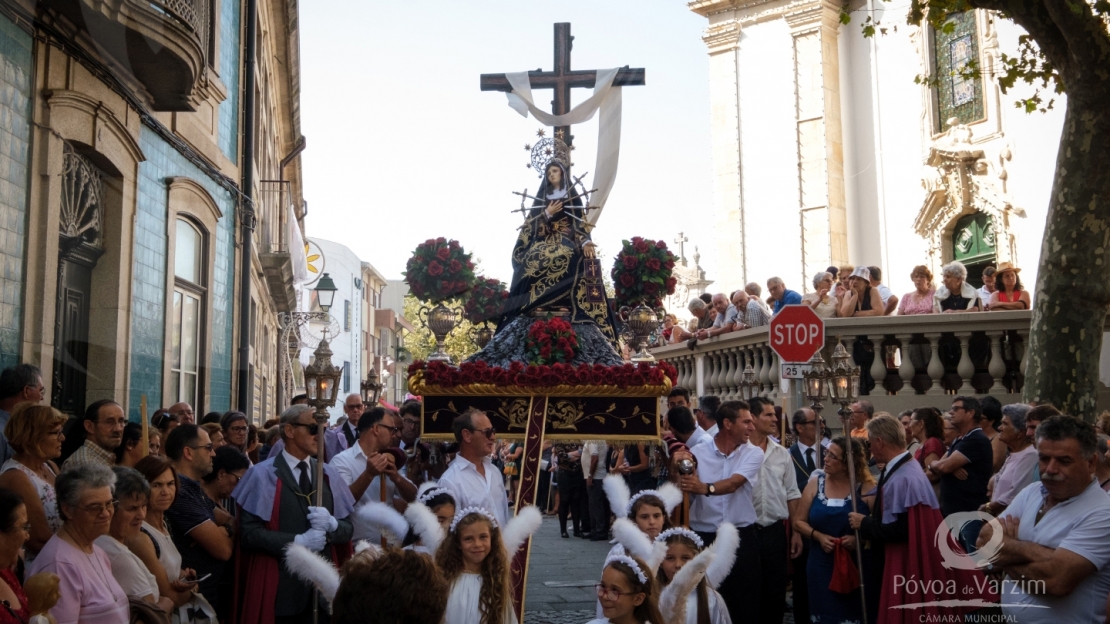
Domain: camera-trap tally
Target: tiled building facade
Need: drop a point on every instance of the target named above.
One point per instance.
(122, 213)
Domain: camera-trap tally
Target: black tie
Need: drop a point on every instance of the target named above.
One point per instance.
(809, 460)
(306, 481)
(349, 435)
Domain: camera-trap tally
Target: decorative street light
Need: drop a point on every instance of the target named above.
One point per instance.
(325, 292)
(371, 389)
(816, 381)
(749, 387)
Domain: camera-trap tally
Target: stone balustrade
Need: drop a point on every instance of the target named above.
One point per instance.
(907, 361)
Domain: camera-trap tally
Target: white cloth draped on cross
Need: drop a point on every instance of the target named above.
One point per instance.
(607, 98)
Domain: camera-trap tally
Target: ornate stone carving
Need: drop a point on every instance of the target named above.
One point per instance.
(961, 179)
(82, 212)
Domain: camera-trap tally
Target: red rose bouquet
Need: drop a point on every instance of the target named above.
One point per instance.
(439, 270)
(642, 273)
(551, 341)
(518, 374)
(485, 300)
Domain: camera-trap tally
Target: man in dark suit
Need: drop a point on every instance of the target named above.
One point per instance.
(277, 507)
(807, 454)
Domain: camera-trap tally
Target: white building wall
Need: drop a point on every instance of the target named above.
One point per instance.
(769, 156)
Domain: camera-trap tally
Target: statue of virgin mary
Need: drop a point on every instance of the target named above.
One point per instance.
(556, 273)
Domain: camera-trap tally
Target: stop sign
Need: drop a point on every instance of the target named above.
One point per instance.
(797, 333)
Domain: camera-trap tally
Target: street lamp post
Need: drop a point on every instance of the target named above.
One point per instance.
(321, 380)
(816, 381)
(749, 387)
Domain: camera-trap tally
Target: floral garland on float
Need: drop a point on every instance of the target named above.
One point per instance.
(484, 303)
(642, 277)
(439, 271)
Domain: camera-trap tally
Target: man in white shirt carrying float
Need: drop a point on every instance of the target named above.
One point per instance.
(472, 478)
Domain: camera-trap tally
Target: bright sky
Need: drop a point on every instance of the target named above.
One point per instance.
(403, 146)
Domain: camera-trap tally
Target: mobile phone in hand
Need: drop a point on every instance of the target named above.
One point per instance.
(194, 581)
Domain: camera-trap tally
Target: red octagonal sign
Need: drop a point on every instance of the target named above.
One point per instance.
(797, 333)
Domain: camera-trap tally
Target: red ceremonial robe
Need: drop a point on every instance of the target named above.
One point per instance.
(258, 586)
(916, 586)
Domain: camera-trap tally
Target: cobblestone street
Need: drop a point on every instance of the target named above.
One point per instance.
(561, 577)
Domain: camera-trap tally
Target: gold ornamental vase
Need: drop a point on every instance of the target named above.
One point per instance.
(441, 320)
(642, 321)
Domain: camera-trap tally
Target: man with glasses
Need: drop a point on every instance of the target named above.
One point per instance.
(201, 534)
(966, 468)
(277, 500)
(348, 431)
(184, 413)
(862, 411)
(364, 465)
(472, 478)
(102, 429)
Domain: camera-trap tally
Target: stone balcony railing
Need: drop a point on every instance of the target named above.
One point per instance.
(914, 361)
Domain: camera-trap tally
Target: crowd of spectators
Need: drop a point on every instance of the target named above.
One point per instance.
(851, 291)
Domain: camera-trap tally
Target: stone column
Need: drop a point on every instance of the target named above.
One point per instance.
(814, 27)
(723, 40)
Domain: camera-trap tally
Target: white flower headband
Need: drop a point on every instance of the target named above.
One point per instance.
(431, 493)
(632, 501)
(684, 532)
(459, 515)
(630, 562)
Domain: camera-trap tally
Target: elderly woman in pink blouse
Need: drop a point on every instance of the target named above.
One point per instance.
(89, 591)
(920, 299)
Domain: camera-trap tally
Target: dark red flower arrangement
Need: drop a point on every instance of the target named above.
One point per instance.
(550, 341)
(439, 270)
(642, 273)
(518, 374)
(485, 300)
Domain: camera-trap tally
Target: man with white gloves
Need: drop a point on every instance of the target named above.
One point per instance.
(278, 498)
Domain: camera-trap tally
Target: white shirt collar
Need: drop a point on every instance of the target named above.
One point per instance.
(293, 461)
(894, 462)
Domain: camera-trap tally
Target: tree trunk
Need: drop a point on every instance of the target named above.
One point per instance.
(1073, 282)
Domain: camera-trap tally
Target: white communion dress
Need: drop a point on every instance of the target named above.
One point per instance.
(718, 613)
(464, 602)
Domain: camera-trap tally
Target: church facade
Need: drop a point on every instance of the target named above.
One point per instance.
(125, 211)
(827, 150)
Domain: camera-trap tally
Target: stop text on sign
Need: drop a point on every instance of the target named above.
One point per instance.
(796, 334)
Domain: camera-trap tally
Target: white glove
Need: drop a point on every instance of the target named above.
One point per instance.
(322, 520)
(312, 539)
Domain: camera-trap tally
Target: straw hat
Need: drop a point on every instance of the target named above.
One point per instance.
(1003, 267)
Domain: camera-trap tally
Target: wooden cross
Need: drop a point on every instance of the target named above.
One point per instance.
(562, 79)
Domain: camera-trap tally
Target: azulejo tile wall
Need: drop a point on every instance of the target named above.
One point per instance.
(228, 122)
(151, 279)
(15, 150)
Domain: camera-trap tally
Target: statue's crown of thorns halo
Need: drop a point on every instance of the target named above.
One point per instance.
(548, 150)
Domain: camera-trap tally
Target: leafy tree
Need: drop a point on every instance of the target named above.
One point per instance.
(420, 342)
(1066, 50)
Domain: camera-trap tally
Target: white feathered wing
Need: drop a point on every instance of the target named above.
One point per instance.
(425, 525)
(725, 548)
(391, 523)
(312, 568)
(520, 528)
(672, 602)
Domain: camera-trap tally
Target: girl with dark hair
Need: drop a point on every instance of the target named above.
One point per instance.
(228, 467)
(13, 534)
(475, 563)
(703, 605)
(130, 449)
(627, 593)
(164, 421)
(1010, 295)
(235, 429)
(155, 548)
(927, 427)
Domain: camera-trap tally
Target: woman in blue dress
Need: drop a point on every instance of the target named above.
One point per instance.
(823, 520)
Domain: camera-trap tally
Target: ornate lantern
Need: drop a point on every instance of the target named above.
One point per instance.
(371, 389)
(749, 387)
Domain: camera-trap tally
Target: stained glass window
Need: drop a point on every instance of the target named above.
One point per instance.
(955, 53)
